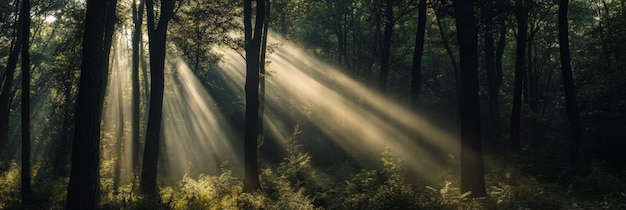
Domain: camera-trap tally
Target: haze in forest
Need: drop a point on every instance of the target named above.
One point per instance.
(294, 104)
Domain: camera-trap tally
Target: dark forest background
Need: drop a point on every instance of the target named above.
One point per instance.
(525, 100)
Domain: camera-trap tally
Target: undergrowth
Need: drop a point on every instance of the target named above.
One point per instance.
(296, 184)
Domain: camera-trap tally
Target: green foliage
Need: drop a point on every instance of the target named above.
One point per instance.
(528, 193)
(378, 189)
(447, 197)
(9, 187)
(211, 192)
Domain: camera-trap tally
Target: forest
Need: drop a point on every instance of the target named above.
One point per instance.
(312, 104)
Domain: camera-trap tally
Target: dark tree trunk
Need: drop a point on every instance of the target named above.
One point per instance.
(568, 84)
(262, 69)
(84, 185)
(137, 21)
(253, 47)
(417, 54)
(110, 18)
(157, 37)
(472, 171)
(25, 175)
(493, 88)
(386, 49)
(494, 99)
(522, 26)
(7, 84)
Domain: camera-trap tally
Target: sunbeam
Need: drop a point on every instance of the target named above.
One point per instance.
(197, 139)
(350, 114)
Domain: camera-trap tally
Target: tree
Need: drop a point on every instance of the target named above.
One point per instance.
(472, 171)
(137, 21)
(568, 84)
(253, 47)
(25, 175)
(493, 81)
(386, 49)
(262, 68)
(157, 35)
(521, 14)
(419, 50)
(83, 189)
(6, 92)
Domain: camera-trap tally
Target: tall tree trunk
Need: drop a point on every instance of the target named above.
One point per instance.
(495, 80)
(137, 21)
(472, 171)
(417, 54)
(386, 49)
(262, 69)
(84, 185)
(25, 175)
(7, 83)
(522, 26)
(157, 36)
(568, 83)
(253, 46)
(489, 62)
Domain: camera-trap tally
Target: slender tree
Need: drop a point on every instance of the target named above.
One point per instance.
(25, 175)
(137, 21)
(495, 81)
(568, 83)
(157, 35)
(262, 68)
(417, 53)
(386, 49)
(472, 171)
(521, 15)
(84, 185)
(489, 62)
(253, 47)
(6, 92)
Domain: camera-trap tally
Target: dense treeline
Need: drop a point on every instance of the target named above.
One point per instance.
(277, 104)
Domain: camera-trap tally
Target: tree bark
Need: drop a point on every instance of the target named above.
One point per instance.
(497, 76)
(522, 26)
(568, 83)
(137, 21)
(262, 69)
(26, 171)
(493, 88)
(84, 185)
(7, 85)
(252, 46)
(417, 54)
(472, 170)
(386, 49)
(157, 36)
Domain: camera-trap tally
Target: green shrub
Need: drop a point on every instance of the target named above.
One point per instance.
(9, 187)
